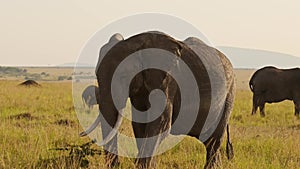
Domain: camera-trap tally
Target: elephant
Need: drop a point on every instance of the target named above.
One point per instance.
(271, 85)
(89, 96)
(211, 117)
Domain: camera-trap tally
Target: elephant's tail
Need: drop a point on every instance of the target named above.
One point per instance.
(251, 83)
(111, 134)
(229, 147)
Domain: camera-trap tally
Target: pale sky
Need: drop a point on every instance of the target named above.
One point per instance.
(39, 32)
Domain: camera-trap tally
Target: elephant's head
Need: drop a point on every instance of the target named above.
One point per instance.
(118, 78)
(103, 89)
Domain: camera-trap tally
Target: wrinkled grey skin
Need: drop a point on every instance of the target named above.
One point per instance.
(218, 65)
(271, 85)
(146, 81)
(89, 96)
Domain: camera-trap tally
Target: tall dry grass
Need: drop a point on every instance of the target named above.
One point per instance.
(35, 120)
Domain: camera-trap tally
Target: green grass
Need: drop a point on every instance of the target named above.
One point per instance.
(270, 142)
(26, 142)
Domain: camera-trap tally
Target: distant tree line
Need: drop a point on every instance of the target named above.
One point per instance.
(11, 70)
(24, 74)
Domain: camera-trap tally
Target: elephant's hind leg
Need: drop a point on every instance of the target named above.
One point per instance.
(254, 104)
(213, 159)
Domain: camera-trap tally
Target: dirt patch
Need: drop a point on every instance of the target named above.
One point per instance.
(65, 122)
(76, 156)
(30, 83)
(26, 116)
(295, 127)
(63, 162)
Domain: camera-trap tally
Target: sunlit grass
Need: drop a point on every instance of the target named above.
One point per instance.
(270, 142)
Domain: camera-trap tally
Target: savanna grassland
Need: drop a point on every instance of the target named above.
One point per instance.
(39, 129)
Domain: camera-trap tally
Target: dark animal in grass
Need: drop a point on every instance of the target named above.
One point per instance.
(89, 97)
(200, 58)
(26, 116)
(78, 156)
(271, 85)
(30, 83)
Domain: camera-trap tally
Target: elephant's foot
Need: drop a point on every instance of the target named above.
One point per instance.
(254, 110)
(112, 160)
(262, 113)
(262, 110)
(214, 161)
(145, 163)
(213, 157)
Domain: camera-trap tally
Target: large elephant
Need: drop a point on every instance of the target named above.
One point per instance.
(214, 81)
(89, 96)
(271, 85)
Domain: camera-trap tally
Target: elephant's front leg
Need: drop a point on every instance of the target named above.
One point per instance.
(262, 110)
(154, 133)
(111, 148)
(139, 133)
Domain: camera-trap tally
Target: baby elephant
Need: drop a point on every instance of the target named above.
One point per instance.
(88, 96)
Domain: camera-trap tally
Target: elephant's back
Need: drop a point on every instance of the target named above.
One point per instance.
(267, 79)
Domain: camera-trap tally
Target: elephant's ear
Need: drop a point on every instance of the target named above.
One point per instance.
(116, 38)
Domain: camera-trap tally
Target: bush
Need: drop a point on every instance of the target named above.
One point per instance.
(62, 78)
